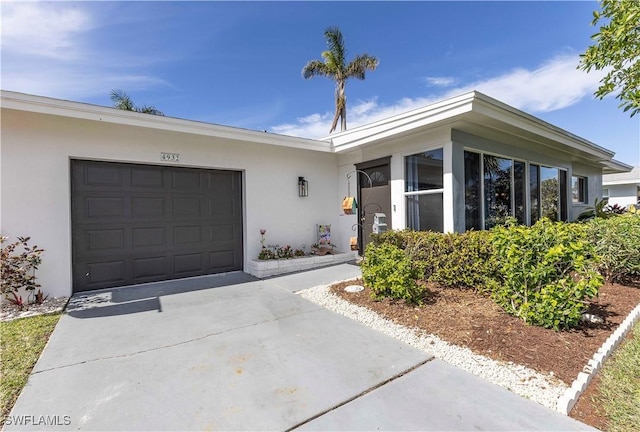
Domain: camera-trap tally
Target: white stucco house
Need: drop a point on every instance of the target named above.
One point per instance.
(118, 198)
(622, 189)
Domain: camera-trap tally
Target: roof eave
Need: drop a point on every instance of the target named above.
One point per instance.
(57, 107)
(613, 166)
(445, 110)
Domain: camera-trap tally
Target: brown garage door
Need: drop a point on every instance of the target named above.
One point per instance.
(142, 223)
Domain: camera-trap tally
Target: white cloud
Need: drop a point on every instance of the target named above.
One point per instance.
(554, 85)
(43, 29)
(48, 50)
(440, 81)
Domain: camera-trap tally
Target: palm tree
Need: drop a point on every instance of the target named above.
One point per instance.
(334, 66)
(122, 101)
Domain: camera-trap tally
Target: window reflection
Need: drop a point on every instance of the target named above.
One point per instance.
(424, 184)
(497, 190)
(425, 212)
(534, 192)
(549, 192)
(472, 186)
(424, 171)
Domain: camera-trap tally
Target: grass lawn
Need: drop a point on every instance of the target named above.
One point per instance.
(620, 386)
(21, 342)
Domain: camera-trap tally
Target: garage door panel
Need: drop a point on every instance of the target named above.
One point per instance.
(187, 235)
(187, 263)
(97, 207)
(145, 237)
(187, 208)
(222, 233)
(221, 182)
(105, 239)
(223, 206)
(103, 175)
(153, 207)
(150, 267)
(147, 177)
(222, 260)
(137, 223)
(105, 272)
(188, 180)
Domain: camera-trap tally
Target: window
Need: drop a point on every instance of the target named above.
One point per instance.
(605, 194)
(534, 192)
(519, 191)
(496, 188)
(424, 190)
(424, 171)
(579, 190)
(549, 193)
(472, 191)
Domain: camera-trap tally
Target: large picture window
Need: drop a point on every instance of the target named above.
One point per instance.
(424, 190)
(497, 188)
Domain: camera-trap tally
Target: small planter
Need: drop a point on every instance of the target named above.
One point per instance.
(322, 250)
(266, 268)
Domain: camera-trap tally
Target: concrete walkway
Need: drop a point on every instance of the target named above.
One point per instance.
(232, 352)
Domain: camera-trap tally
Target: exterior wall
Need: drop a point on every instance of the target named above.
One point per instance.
(35, 179)
(398, 148)
(623, 195)
(624, 188)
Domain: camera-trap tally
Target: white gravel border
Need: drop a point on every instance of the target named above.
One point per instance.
(571, 395)
(543, 389)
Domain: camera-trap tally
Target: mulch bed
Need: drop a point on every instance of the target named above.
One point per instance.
(466, 318)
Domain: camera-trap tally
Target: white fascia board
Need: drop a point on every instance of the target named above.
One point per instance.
(57, 107)
(613, 166)
(621, 182)
(497, 110)
(445, 110)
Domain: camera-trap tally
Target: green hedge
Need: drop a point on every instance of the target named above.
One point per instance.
(464, 260)
(617, 242)
(545, 272)
(542, 274)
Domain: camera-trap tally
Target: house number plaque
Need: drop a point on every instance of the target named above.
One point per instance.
(170, 157)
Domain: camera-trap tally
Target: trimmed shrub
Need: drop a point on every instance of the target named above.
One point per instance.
(462, 260)
(399, 239)
(545, 272)
(617, 243)
(389, 272)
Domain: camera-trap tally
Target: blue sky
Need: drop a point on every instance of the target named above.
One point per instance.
(239, 63)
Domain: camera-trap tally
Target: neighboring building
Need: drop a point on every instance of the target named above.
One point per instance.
(622, 188)
(118, 197)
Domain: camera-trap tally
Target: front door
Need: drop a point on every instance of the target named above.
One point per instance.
(374, 196)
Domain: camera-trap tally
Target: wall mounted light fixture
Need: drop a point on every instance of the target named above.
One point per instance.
(303, 187)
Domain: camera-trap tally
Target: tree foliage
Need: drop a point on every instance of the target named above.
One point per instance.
(617, 51)
(335, 67)
(123, 101)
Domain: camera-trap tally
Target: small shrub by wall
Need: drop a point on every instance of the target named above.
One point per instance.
(389, 272)
(18, 264)
(463, 260)
(617, 242)
(545, 272)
